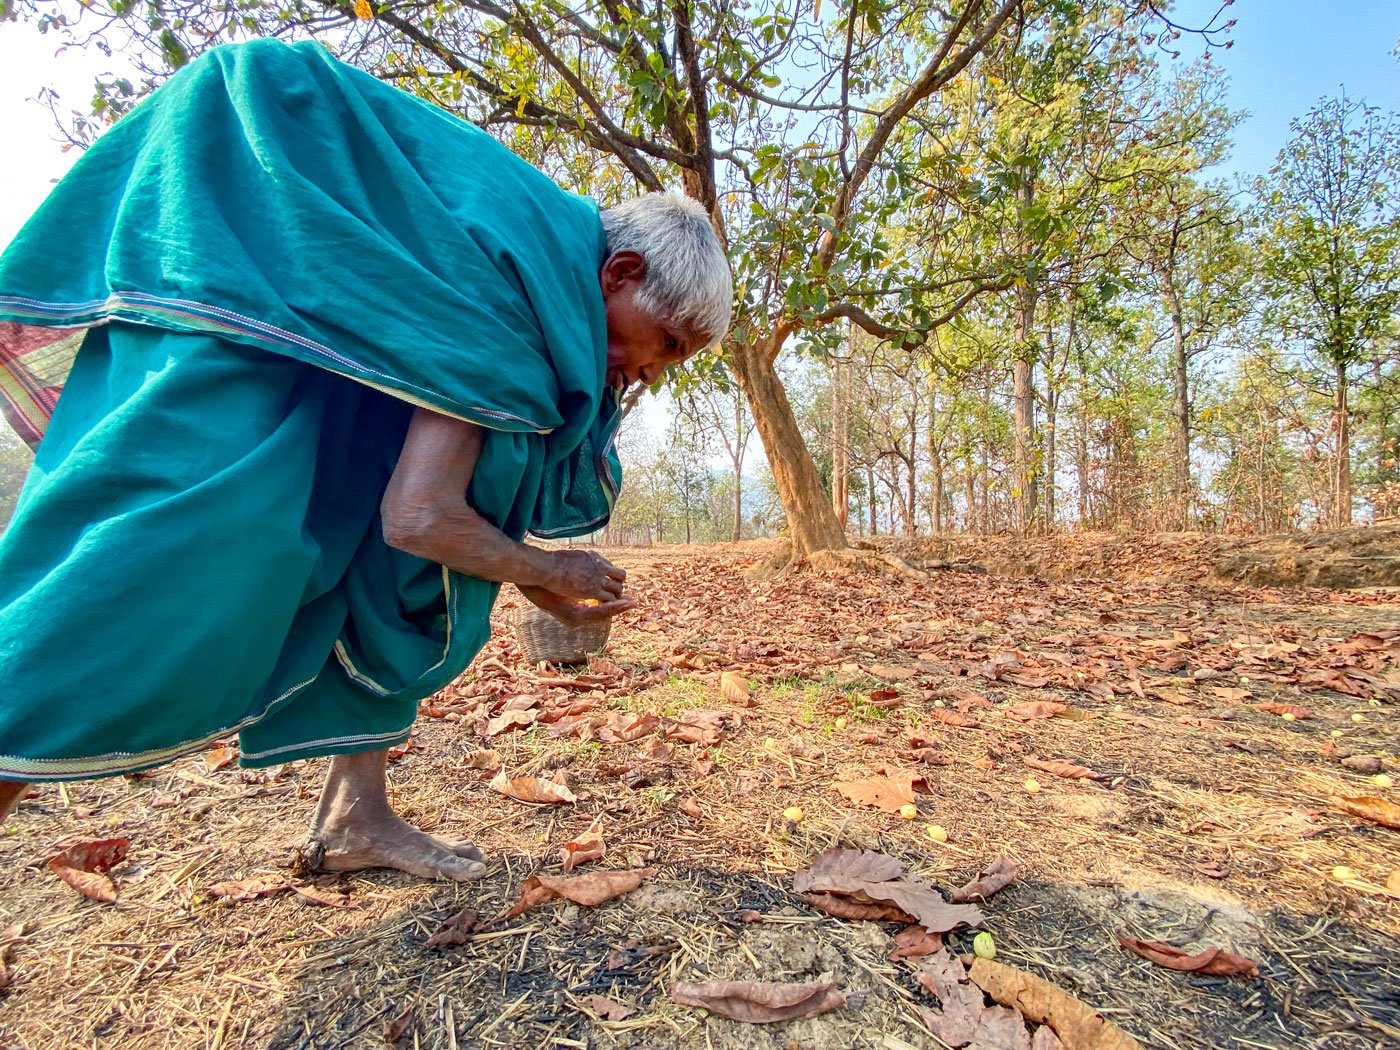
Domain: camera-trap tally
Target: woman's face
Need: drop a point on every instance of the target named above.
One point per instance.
(640, 348)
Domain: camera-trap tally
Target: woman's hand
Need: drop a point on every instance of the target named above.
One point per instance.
(585, 575)
(583, 587)
(572, 612)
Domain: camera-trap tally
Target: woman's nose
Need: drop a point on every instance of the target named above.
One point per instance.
(648, 374)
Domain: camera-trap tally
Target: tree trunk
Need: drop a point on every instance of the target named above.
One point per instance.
(936, 466)
(1023, 399)
(870, 489)
(1023, 384)
(1181, 419)
(1341, 512)
(1052, 403)
(736, 532)
(911, 527)
(840, 441)
(812, 523)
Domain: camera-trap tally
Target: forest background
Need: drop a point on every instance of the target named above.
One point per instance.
(997, 270)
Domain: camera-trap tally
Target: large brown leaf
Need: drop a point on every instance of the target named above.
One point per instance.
(89, 883)
(624, 729)
(735, 687)
(1214, 961)
(1273, 707)
(1036, 710)
(508, 720)
(913, 942)
(531, 789)
(884, 793)
(959, 998)
(99, 855)
(1000, 1028)
(1061, 768)
(994, 878)
(953, 718)
(760, 1002)
(864, 865)
(844, 908)
(1367, 807)
(1077, 1024)
(589, 890)
(869, 878)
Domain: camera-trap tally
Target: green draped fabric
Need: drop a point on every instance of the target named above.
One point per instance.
(214, 332)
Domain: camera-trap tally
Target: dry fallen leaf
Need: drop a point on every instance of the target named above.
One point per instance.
(1273, 707)
(864, 865)
(1232, 695)
(100, 855)
(857, 911)
(734, 687)
(89, 883)
(397, 1028)
(508, 720)
(588, 846)
(1046, 1039)
(1078, 1025)
(589, 890)
(914, 941)
(1036, 710)
(531, 789)
(953, 718)
(608, 1009)
(760, 1002)
(960, 1000)
(1061, 768)
(1376, 810)
(870, 878)
(625, 728)
(217, 758)
(891, 673)
(455, 929)
(930, 756)
(82, 865)
(310, 893)
(236, 890)
(889, 794)
(1001, 1029)
(992, 879)
(1214, 961)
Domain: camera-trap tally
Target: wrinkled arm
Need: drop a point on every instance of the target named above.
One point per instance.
(425, 513)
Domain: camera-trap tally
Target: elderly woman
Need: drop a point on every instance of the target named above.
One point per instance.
(326, 355)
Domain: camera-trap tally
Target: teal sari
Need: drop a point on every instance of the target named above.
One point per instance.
(241, 293)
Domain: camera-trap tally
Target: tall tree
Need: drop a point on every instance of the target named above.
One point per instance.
(1329, 216)
(787, 127)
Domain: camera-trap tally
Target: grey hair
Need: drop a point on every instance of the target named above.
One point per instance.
(688, 282)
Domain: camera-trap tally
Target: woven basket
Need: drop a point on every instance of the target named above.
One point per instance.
(546, 639)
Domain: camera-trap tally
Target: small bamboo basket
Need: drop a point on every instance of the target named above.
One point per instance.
(543, 638)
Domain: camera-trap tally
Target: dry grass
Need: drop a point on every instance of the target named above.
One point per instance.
(1215, 829)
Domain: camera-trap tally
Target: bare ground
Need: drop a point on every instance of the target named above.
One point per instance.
(1213, 828)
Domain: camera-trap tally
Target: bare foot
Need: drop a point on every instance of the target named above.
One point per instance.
(354, 828)
(389, 842)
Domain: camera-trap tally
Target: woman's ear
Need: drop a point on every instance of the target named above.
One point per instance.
(621, 267)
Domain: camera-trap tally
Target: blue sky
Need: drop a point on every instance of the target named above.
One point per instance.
(1287, 55)
(1290, 53)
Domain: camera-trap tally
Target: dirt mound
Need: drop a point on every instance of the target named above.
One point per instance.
(1338, 559)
